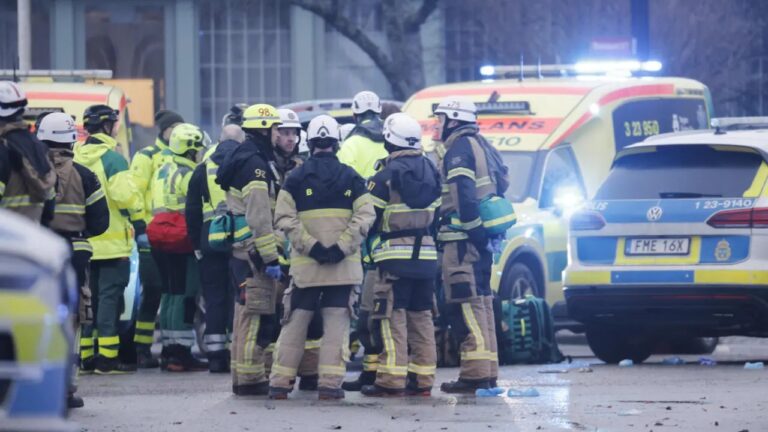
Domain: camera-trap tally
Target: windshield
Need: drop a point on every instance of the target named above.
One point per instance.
(683, 171)
(520, 166)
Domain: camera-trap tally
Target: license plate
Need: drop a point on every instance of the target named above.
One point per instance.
(658, 246)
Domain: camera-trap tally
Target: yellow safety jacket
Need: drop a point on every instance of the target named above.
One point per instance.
(218, 198)
(143, 166)
(170, 184)
(124, 200)
(362, 153)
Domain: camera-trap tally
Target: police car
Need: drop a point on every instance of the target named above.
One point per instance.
(37, 293)
(674, 242)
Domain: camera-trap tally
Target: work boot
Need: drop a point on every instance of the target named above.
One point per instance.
(464, 387)
(365, 378)
(144, 359)
(412, 388)
(259, 389)
(277, 393)
(112, 366)
(165, 355)
(325, 393)
(379, 391)
(74, 401)
(182, 360)
(87, 366)
(308, 383)
(218, 362)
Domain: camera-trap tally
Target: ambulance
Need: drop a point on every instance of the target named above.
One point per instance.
(558, 136)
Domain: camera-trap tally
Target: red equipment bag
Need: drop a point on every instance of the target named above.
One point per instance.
(168, 233)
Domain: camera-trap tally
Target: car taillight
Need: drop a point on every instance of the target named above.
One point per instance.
(587, 221)
(741, 218)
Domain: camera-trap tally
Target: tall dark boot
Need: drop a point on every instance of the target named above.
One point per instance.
(365, 378)
(144, 359)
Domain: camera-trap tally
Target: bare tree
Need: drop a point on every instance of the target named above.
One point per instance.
(402, 64)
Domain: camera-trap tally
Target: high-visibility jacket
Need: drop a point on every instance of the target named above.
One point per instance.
(363, 148)
(143, 166)
(170, 184)
(466, 182)
(125, 202)
(216, 201)
(406, 195)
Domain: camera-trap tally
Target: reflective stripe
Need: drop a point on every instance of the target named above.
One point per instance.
(108, 352)
(2, 188)
(87, 353)
(483, 181)
(447, 236)
(86, 342)
(325, 213)
(82, 246)
(208, 215)
(254, 185)
(143, 339)
(312, 344)
(471, 320)
(500, 221)
(19, 201)
(69, 209)
(215, 346)
(99, 194)
(472, 224)
(422, 369)
(332, 370)
(476, 355)
(145, 325)
(378, 202)
(458, 172)
(284, 371)
(249, 369)
(390, 367)
(250, 342)
(109, 340)
(215, 338)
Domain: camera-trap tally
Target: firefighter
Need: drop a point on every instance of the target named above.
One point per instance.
(143, 166)
(205, 200)
(365, 145)
(110, 264)
(249, 183)
(406, 195)
(325, 211)
(286, 160)
(81, 210)
(27, 179)
(466, 261)
(173, 251)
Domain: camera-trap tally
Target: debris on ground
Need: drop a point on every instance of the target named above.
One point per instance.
(626, 363)
(632, 412)
(707, 361)
(529, 392)
(673, 361)
(754, 366)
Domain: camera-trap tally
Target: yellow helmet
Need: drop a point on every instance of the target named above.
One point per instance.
(185, 137)
(260, 116)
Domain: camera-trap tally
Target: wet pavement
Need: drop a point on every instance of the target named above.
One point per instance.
(648, 397)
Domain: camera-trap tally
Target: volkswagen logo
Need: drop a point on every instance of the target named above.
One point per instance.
(654, 214)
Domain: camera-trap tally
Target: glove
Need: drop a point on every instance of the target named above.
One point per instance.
(319, 253)
(334, 254)
(478, 237)
(274, 271)
(494, 245)
(142, 241)
(199, 255)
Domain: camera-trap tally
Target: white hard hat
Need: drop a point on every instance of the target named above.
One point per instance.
(345, 130)
(458, 109)
(288, 119)
(57, 127)
(402, 130)
(12, 98)
(323, 126)
(366, 101)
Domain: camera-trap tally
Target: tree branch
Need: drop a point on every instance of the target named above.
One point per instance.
(414, 21)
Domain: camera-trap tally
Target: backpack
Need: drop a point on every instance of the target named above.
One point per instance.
(226, 230)
(168, 233)
(529, 335)
(428, 179)
(498, 171)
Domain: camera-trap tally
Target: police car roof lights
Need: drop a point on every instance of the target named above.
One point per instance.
(522, 107)
(723, 124)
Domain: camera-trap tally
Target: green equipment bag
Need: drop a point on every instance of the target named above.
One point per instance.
(226, 230)
(497, 215)
(528, 333)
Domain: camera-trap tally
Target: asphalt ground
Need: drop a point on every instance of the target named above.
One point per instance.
(650, 397)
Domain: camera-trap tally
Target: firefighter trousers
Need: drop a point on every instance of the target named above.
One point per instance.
(151, 292)
(181, 285)
(219, 302)
(333, 302)
(108, 280)
(469, 309)
(371, 348)
(408, 325)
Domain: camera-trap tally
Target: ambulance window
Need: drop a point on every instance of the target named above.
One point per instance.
(561, 176)
(520, 165)
(636, 120)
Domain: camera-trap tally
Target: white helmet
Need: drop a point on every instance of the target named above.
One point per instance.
(323, 126)
(57, 127)
(458, 109)
(12, 99)
(402, 130)
(366, 101)
(288, 119)
(345, 130)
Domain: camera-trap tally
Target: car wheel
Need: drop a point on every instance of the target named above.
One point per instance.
(519, 281)
(613, 346)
